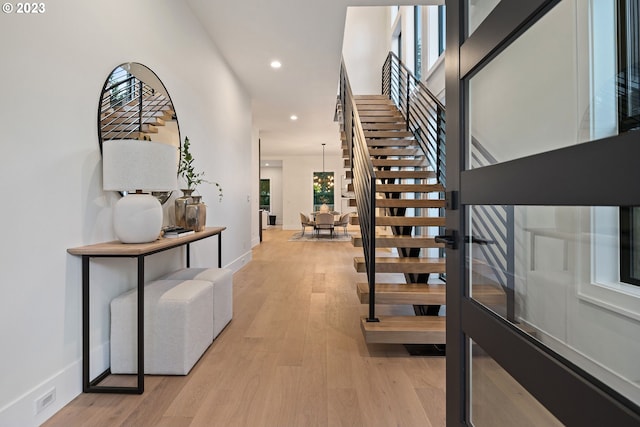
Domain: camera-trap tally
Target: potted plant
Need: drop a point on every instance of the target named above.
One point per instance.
(188, 172)
(189, 210)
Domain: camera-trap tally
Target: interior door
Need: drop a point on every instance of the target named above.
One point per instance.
(541, 330)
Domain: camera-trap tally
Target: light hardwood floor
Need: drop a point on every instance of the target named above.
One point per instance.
(293, 355)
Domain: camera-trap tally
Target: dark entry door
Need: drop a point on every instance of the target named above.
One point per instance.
(542, 328)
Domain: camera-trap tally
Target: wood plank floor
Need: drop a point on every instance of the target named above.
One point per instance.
(293, 355)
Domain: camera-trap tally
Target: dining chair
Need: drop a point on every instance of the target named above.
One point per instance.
(343, 222)
(306, 222)
(324, 221)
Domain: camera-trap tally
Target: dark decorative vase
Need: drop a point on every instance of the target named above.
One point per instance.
(181, 207)
(196, 214)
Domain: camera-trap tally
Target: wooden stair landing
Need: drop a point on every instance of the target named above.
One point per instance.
(403, 265)
(405, 330)
(404, 293)
(395, 241)
(415, 221)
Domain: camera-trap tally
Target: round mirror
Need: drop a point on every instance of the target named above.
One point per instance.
(134, 104)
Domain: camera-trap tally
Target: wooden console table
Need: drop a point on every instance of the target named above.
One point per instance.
(118, 249)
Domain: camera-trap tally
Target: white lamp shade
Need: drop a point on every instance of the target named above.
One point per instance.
(129, 164)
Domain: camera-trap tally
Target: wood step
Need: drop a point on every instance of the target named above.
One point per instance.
(402, 142)
(403, 221)
(376, 106)
(123, 135)
(405, 330)
(410, 203)
(409, 188)
(392, 241)
(384, 126)
(404, 293)
(394, 152)
(403, 265)
(424, 174)
(400, 162)
(132, 119)
(387, 134)
(376, 96)
(130, 113)
(382, 119)
(146, 128)
(380, 113)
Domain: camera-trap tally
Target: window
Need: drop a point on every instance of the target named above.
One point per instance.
(323, 190)
(265, 194)
(628, 65)
(630, 245)
(417, 23)
(442, 33)
(629, 118)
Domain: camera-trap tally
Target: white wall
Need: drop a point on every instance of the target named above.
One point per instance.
(365, 47)
(53, 70)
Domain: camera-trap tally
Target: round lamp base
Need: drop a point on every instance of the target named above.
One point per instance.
(137, 218)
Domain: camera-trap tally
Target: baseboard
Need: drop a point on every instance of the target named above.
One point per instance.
(240, 262)
(65, 386)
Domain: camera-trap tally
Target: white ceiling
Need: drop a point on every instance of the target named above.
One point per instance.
(306, 36)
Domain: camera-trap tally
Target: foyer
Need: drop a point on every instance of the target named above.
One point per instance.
(293, 355)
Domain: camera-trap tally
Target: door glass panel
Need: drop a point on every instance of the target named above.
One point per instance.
(555, 86)
(555, 272)
(497, 400)
(478, 12)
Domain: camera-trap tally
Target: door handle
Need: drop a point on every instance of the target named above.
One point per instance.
(479, 240)
(450, 240)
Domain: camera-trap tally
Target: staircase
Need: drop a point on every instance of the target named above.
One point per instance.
(131, 109)
(394, 147)
(405, 184)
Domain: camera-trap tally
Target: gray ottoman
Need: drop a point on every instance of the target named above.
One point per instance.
(177, 327)
(222, 280)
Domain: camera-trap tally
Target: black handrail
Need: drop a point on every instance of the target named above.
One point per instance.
(424, 113)
(364, 182)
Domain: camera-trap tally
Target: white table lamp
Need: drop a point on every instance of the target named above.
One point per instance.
(132, 165)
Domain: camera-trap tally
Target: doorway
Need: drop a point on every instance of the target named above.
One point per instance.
(533, 188)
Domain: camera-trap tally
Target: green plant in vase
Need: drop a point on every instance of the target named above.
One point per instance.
(190, 212)
(188, 172)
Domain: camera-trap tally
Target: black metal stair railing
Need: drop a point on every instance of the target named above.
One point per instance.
(127, 105)
(497, 223)
(423, 112)
(364, 182)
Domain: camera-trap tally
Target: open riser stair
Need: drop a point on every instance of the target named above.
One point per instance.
(406, 185)
(393, 145)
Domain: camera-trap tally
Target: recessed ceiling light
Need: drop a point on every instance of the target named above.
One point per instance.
(276, 64)
(294, 117)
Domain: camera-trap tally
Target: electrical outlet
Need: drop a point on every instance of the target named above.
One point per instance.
(45, 400)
